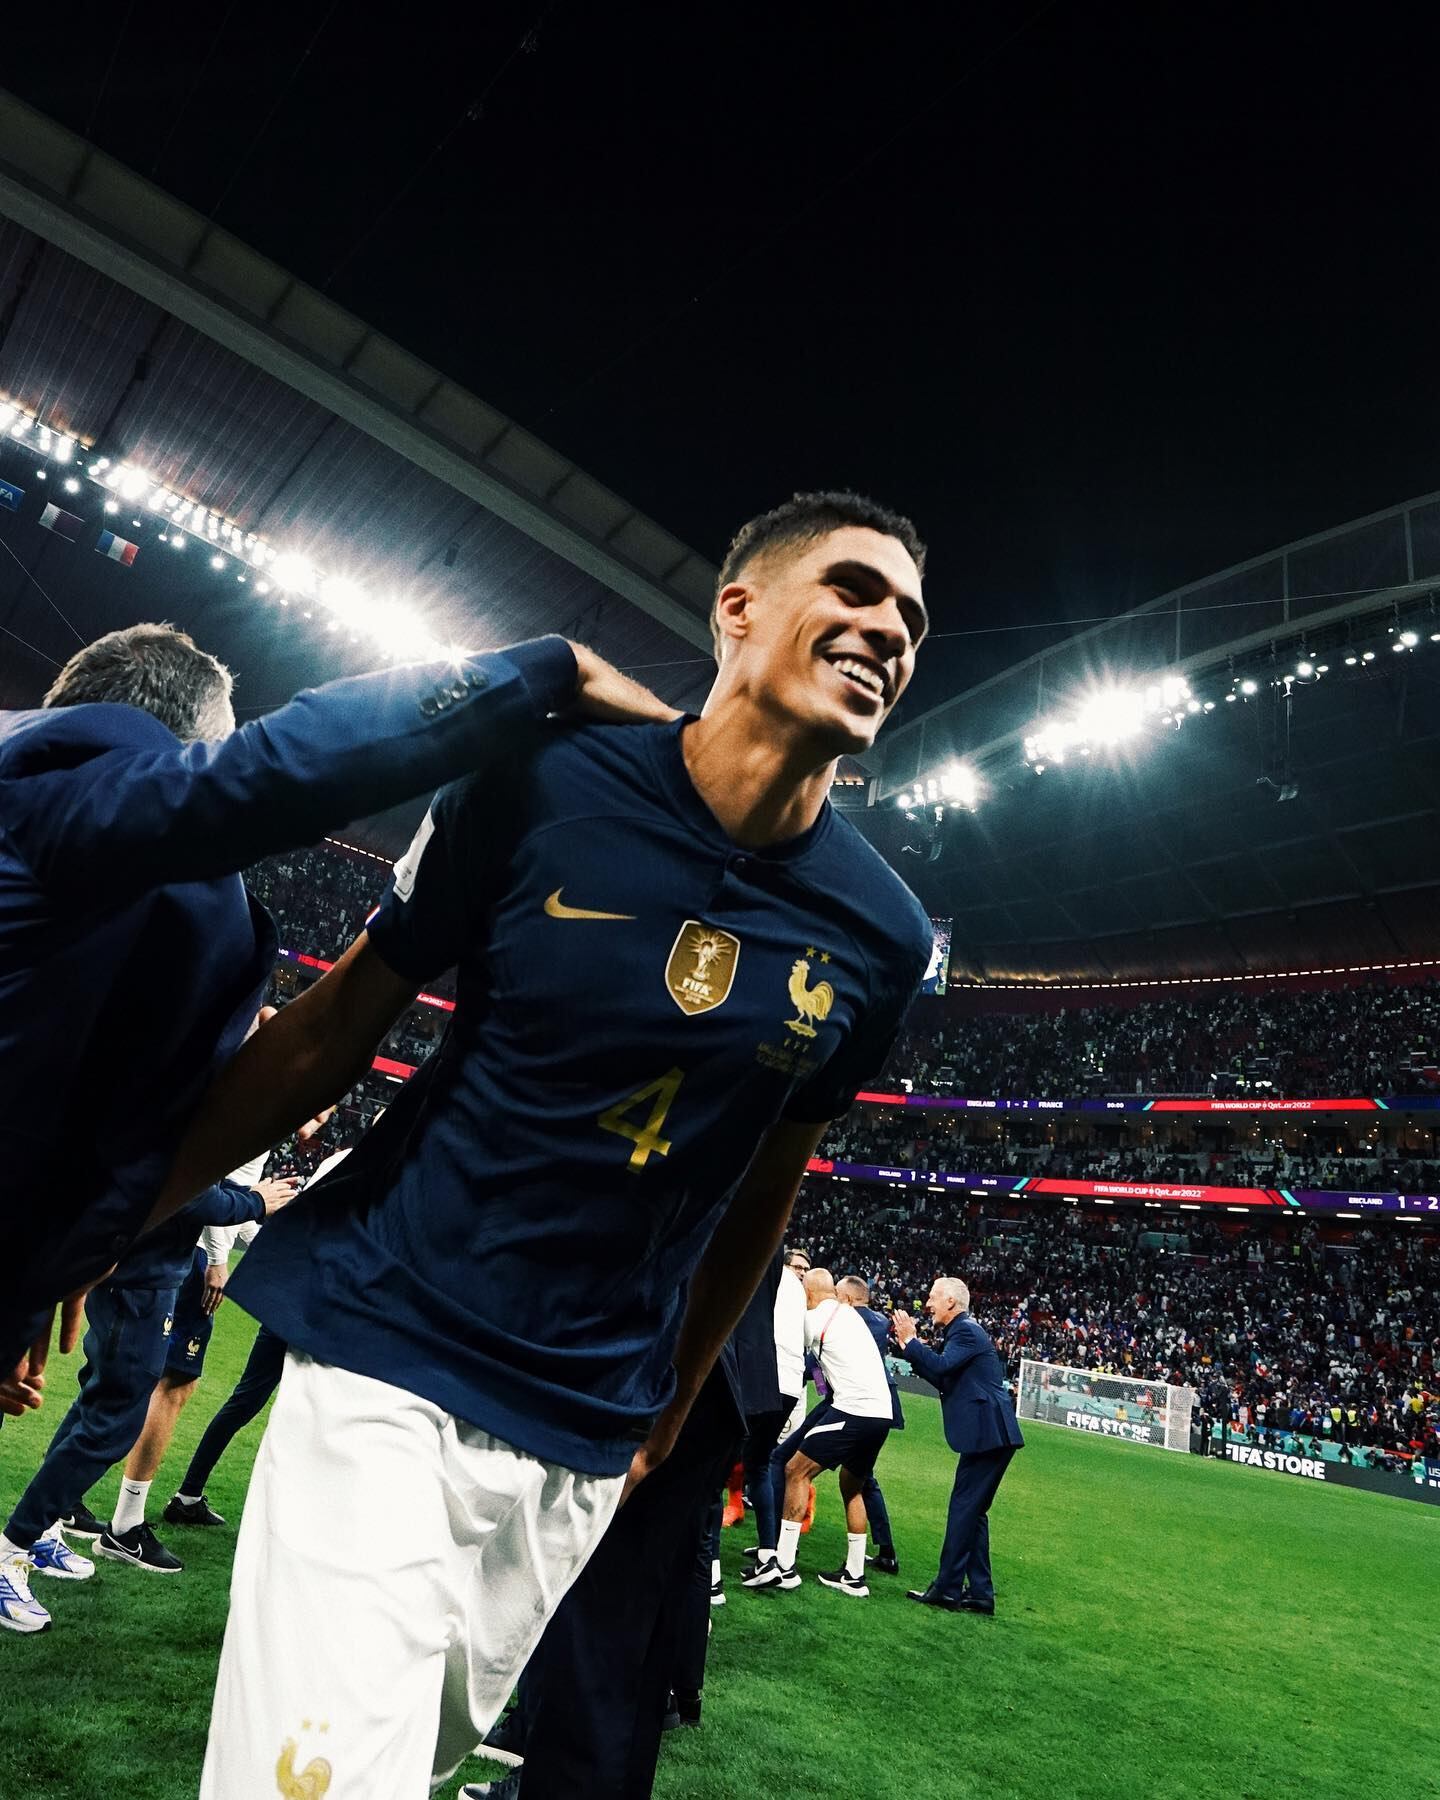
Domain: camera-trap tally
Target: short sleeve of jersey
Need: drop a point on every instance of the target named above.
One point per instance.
(832, 1089)
(446, 881)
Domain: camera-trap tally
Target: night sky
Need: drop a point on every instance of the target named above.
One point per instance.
(1107, 297)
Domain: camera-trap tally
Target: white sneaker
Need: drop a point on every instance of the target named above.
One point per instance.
(717, 1593)
(51, 1555)
(19, 1609)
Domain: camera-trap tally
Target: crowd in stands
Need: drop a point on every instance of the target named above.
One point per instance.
(1351, 1040)
(924, 1140)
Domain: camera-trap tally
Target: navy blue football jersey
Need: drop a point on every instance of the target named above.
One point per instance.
(639, 999)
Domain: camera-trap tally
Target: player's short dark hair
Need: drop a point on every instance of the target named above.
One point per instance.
(855, 1281)
(802, 520)
(158, 668)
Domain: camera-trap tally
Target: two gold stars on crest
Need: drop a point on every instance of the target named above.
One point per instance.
(824, 954)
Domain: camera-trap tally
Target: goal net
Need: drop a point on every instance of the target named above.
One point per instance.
(1117, 1406)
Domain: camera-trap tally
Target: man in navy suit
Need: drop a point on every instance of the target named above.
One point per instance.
(131, 958)
(980, 1424)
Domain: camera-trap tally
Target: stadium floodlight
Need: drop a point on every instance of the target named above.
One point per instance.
(133, 483)
(1249, 688)
(1350, 661)
(112, 506)
(294, 574)
(961, 785)
(1109, 715)
(1305, 670)
(72, 486)
(7, 416)
(63, 450)
(1369, 656)
(217, 562)
(1409, 639)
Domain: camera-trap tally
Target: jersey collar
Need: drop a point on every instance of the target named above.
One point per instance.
(669, 760)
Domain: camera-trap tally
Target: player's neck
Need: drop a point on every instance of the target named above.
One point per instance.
(762, 783)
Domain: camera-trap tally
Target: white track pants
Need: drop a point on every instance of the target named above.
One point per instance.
(394, 1570)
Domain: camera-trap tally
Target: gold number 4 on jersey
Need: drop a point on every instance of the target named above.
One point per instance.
(646, 1138)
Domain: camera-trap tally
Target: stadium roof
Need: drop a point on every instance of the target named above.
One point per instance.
(1295, 824)
(156, 340)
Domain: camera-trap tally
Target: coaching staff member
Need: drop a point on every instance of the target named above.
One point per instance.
(131, 958)
(980, 1424)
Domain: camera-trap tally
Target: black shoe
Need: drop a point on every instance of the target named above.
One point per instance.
(140, 1547)
(507, 1734)
(688, 1707)
(977, 1606)
(191, 1512)
(505, 1787)
(884, 1562)
(672, 1720)
(82, 1523)
(846, 1583)
(717, 1593)
(931, 1596)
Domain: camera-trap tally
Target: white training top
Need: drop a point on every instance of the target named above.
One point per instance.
(854, 1369)
(790, 1335)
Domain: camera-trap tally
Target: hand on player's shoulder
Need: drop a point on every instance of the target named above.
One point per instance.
(607, 697)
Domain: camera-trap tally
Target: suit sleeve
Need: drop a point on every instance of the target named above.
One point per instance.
(935, 1366)
(227, 1203)
(127, 820)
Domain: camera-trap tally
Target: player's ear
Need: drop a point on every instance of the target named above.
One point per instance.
(733, 609)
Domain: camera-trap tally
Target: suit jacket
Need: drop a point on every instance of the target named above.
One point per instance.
(880, 1331)
(162, 1258)
(131, 958)
(967, 1370)
(753, 1341)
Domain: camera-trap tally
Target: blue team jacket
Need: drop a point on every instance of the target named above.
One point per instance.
(162, 1258)
(967, 1370)
(131, 958)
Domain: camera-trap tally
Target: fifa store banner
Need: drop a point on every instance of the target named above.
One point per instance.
(1112, 1406)
(1420, 1482)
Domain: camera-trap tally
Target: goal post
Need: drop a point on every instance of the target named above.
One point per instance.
(1116, 1406)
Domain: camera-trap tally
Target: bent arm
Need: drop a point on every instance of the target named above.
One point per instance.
(936, 1366)
(128, 820)
(746, 1238)
(284, 1073)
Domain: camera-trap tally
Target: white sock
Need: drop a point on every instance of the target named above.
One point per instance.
(189, 1499)
(130, 1506)
(855, 1554)
(789, 1542)
(714, 1570)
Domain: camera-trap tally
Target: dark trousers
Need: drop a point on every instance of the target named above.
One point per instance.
(965, 1554)
(877, 1513)
(761, 1439)
(690, 1601)
(124, 1346)
(258, 1381)
(593, 1695)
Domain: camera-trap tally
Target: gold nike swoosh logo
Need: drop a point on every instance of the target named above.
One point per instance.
(556, 909)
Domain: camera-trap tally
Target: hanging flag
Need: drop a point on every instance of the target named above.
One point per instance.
(67, 524)
(118, 549)
(10, 495)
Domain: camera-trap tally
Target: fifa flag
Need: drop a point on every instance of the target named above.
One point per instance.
(11, 496)
(118, 549)
(67, 524)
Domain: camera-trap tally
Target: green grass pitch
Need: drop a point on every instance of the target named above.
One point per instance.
(1167, 1628)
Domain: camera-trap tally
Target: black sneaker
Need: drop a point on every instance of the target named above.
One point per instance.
(717, 1593)
(884, 1562)
(763, 1575)
(191, 1512)
(141, 1547)
(82, 1523)
(846, 1583)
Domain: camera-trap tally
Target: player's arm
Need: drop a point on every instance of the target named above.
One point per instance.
(739, 1253)
(130, 820)
(289, 1070)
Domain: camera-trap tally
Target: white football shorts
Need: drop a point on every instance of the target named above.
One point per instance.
(394, 1570)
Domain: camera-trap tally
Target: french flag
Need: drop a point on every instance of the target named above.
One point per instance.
(118, 549)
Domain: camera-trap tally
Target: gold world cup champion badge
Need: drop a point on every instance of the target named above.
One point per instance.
(702, 967)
